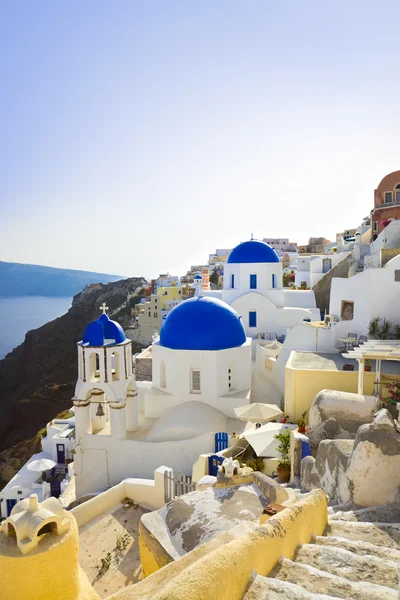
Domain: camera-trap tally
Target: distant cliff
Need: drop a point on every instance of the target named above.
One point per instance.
(37, 379)
(17, 279)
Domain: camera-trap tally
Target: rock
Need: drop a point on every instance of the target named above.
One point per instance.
(338, 415)
(365, 471)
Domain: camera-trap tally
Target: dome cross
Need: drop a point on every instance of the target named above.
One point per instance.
(104, 308)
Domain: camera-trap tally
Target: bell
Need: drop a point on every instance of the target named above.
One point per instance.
(100, 412)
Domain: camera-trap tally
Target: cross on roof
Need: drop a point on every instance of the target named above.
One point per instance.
(104, 308)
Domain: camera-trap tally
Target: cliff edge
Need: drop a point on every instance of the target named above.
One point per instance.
(37, 378)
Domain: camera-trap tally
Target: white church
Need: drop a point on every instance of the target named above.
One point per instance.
(201, 372)
(253, 287)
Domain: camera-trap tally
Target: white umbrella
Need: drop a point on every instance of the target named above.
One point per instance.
(262, 439)
(258, 412)
(41, 464)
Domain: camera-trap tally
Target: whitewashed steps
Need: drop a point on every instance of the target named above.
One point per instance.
(353, 567)
(358, 547)
(265, 588)
(316, 581)
(379, 534)
(389, 513)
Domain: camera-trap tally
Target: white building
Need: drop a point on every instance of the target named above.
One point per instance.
(202, 355)
(253, 287)
(374, 292)
(311, 269)
(201, 368)
(281, 246)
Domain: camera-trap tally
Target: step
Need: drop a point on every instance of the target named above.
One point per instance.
(344, 563)
(317, 581)
(388, 513)
(358, 547)
(265, 588)
(380, 534)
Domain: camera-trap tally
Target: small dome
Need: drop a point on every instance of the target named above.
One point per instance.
(198, 277)
(103, 332)
(253, 251)
(202, 323)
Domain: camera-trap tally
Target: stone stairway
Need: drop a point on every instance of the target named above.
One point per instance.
(357, 558)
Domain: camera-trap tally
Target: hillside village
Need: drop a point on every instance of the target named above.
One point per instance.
(249, 450)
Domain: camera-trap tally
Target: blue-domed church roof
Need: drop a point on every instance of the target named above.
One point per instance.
(253, 251)
(202, 323)
(103, 332)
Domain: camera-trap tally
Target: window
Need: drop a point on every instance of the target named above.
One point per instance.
(253, 282)
(232, 281)
(347, 310)
(397, 195)
(273, 281)
(388, 197)
(195, 381)
(397, 275)
(375, 227)
(326, 265)
(252, 318)
(163, 375)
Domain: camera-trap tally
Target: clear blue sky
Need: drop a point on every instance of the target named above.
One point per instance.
(138, 136)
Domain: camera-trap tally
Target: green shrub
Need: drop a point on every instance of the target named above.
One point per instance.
(257, 464)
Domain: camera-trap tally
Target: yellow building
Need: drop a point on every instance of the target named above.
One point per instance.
(150, 313)
(307, 373)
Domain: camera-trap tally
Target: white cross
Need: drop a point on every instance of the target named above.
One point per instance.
(104, 308)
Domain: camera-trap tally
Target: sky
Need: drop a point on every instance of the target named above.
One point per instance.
(136, 137)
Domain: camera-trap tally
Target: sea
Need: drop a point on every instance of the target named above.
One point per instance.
(20, 314)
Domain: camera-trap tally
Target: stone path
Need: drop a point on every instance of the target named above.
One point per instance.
(358, 558)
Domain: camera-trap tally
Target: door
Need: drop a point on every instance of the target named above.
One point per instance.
(326, 265)
(10, 505)
(213, 463)
(61, 454)
(252, 318)
(55, 487)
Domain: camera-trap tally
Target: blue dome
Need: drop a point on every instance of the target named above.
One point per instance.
(253, 251)
(202, 323)
(103, 332)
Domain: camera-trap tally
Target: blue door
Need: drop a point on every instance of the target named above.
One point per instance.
(273, 281)
(252, 318)
(253, 282)
(55, 487)
(61, 454)
(10, 504)
(213, 463)
(221, 441)
(232, 281)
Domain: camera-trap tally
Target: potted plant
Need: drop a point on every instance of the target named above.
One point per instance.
(367, 365)
(301, 423)
(391, 401)
(283, 468)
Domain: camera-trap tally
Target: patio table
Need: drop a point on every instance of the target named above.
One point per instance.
(348, 342)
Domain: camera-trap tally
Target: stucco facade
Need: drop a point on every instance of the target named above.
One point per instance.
(386, 202)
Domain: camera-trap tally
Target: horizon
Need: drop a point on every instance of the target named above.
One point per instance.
(140, 138)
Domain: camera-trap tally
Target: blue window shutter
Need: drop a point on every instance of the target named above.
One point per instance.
(232, 281)
(253, 282)
(252, 318)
